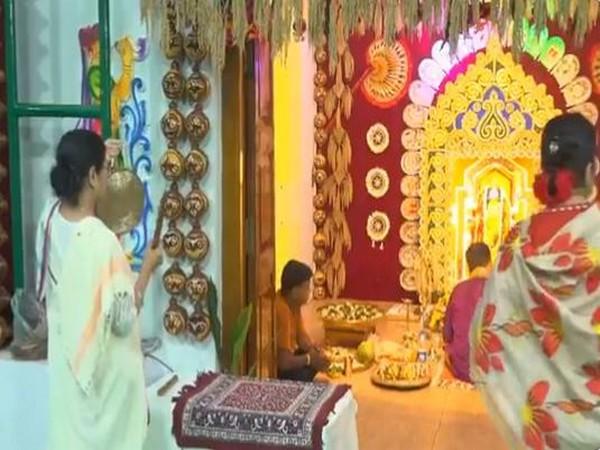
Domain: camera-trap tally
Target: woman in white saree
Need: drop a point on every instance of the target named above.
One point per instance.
(97, 392)
(535, 339)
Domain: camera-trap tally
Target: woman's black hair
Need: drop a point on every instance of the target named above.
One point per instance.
(568, 142)
(77, 152)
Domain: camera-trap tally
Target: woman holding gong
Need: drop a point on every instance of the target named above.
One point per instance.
(97, 391)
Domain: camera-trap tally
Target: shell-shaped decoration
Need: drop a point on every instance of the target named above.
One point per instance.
(172, 241)
(173, 123)
(172, 203)
(196, 244)
(196, 164)
(197, 87)
(172, 164)
(197, 125)
(196, 203)
(173, 83)
(197, 285)
(174, 280)
(175, 318)
(198, 325)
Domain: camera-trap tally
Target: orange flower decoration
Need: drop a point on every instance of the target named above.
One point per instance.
(539, 425)
(547, 316)
(488, 343)
(592, 371)
(580, 257)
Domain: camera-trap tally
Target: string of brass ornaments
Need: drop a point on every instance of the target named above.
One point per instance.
(319, 174)
(185, 169)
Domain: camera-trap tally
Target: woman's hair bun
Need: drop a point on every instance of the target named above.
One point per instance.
(65, 183)
(77, 152)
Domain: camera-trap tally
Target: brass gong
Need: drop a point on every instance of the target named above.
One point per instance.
(122, 207)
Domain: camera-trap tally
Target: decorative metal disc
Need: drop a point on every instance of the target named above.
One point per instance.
(377, 182)
(122, 207)
(378, 138)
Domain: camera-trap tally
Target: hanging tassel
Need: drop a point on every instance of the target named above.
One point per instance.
(593, 14)
(317, 11)
(349, 13)
(540, 15)
(517, 32)
(475, 12)
(240, 23)
(581, 20)
(563, 13)
(389, 30)
(332, 36)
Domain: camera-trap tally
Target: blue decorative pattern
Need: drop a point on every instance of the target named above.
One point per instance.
(134, 125)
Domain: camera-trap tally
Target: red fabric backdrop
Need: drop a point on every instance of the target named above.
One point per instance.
(373, 273)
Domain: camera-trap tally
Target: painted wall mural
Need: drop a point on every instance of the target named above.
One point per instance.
(128, 119)
(444, 148)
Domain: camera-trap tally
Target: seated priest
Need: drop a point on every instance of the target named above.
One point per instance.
(461, 308)
(298, 358)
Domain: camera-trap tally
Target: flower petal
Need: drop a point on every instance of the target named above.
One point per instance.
(537, 393)
(544, 420)
(596, 317)
(593, 282)
(505, 260)
(561, 244)
(482, 360)
(488, 314)
(563, 261)
(533, 438)
(552, 441)
(497, 364)
(491, 342)
(541, 317)
(551, 342)
(594, 386)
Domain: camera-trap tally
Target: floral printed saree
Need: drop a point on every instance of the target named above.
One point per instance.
(535, 337)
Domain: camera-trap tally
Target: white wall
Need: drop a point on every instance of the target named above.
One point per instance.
(49, 68)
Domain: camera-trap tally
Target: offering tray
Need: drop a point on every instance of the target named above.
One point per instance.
(402, 375)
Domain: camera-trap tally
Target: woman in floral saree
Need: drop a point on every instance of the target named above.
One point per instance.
(97, 392)
(535, 339)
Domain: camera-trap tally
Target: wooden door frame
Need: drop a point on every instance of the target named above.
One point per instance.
(249, 202)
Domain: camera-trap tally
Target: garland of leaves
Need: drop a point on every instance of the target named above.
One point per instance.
(223, 21)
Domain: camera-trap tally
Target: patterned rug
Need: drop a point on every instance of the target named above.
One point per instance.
(223, 412)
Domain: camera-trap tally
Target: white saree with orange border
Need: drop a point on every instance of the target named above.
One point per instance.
(535, 338)
(97, 394)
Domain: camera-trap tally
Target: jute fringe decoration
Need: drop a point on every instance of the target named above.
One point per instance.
(217, 19)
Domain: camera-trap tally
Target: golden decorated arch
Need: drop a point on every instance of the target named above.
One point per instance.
(481, 148)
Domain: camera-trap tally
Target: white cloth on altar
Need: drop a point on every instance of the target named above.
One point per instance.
(340, 433)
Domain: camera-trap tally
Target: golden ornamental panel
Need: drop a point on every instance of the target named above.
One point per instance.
(494, 110)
